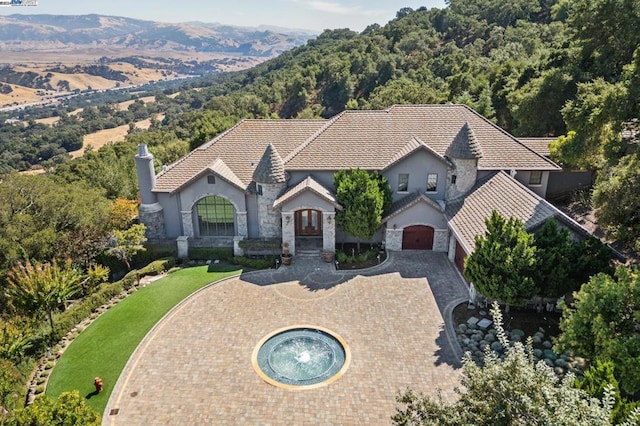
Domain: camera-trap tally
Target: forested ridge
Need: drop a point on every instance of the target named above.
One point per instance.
(560, 68)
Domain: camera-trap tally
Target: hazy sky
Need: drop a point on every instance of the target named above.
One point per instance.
(306, 14)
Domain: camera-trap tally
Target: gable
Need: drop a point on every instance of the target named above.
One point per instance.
(500, 192)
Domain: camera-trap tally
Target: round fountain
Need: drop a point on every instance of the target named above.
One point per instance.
(301, 357)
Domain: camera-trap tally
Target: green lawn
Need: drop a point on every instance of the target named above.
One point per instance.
(105, 346)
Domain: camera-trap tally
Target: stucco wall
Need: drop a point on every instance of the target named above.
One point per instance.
(172, 217)
(523, 176)
(200, 188)
(307, 200)
(418, 165)
(419, 214)
(252, 215)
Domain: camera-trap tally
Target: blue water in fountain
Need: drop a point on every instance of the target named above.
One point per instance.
(301, 356)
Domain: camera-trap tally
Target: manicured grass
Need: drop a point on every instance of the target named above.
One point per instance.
(105, 346)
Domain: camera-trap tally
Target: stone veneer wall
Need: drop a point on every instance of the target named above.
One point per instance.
(289, 231)
(393, 239)
(466, 172)
(328, 231)
(269, 220)
(152, 216)
(441, 240)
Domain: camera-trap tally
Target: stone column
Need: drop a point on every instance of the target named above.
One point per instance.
(187, 223)
(289, 231)
(183, 247)
(452, 248)
(241, 221)
(393, 239)
(328, 231)
(441, 240)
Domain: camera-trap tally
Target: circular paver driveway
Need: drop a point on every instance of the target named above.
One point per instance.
(195, 367)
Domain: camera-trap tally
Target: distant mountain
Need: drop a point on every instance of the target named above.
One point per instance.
(43, 32)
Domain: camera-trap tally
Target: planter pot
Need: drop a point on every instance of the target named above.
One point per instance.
(328, 256)
(286, 259)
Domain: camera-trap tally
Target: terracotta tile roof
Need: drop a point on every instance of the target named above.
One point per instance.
(370, 139)
(466, 215)
(241, 148)
(270, 169)
(308, 184)
(218, 167)
(539, 145)
(410, 200)
(414, 145)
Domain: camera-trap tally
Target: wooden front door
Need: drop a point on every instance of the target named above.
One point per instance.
(417, 237)
(308, 222)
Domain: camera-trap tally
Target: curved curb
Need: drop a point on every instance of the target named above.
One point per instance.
(450, 327)
(116, 394)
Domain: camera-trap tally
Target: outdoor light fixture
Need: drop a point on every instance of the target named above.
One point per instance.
(287, 219)
(329, 219)
(395, 226)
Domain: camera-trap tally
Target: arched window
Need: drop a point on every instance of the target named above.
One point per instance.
(216, 216)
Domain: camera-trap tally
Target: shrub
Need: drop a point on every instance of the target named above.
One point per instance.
(210, 253)
(69, 409)
(11, 385)
(342, 257)
(153, 252)
(264, 263)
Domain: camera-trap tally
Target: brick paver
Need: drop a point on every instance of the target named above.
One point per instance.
(195, 367)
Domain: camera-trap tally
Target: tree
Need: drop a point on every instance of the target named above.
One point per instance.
(363, 196)
(128, 243)
(42, 288)
(602, 324)
(509, 390)
(599, 379)
(617, 197)
(553, 268)
(503, 263)
(69, 409)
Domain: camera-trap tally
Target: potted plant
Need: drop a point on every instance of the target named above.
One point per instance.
(328, 255)
(286, 256)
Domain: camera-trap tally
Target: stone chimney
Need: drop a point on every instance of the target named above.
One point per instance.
(150, 212)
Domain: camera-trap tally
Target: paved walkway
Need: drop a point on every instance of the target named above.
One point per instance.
(194, 367)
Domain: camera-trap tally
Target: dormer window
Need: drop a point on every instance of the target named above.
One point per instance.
(211, 179)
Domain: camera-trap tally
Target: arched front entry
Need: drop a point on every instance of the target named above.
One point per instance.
(308, 223)
(417, 237)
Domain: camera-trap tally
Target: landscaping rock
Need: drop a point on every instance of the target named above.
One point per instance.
(462, 328)
(490, 338)
(547, 344)
(497, 347)
(549, 354)
(538, 353)
(561, 363)
(517, 332)
(548, 362)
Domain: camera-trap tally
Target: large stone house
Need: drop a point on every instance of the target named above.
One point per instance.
(448, 168)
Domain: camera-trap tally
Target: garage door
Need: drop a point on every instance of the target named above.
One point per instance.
(417, 237)
(460, 256)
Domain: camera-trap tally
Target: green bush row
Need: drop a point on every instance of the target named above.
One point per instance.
(264, 263)
(211, 253)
